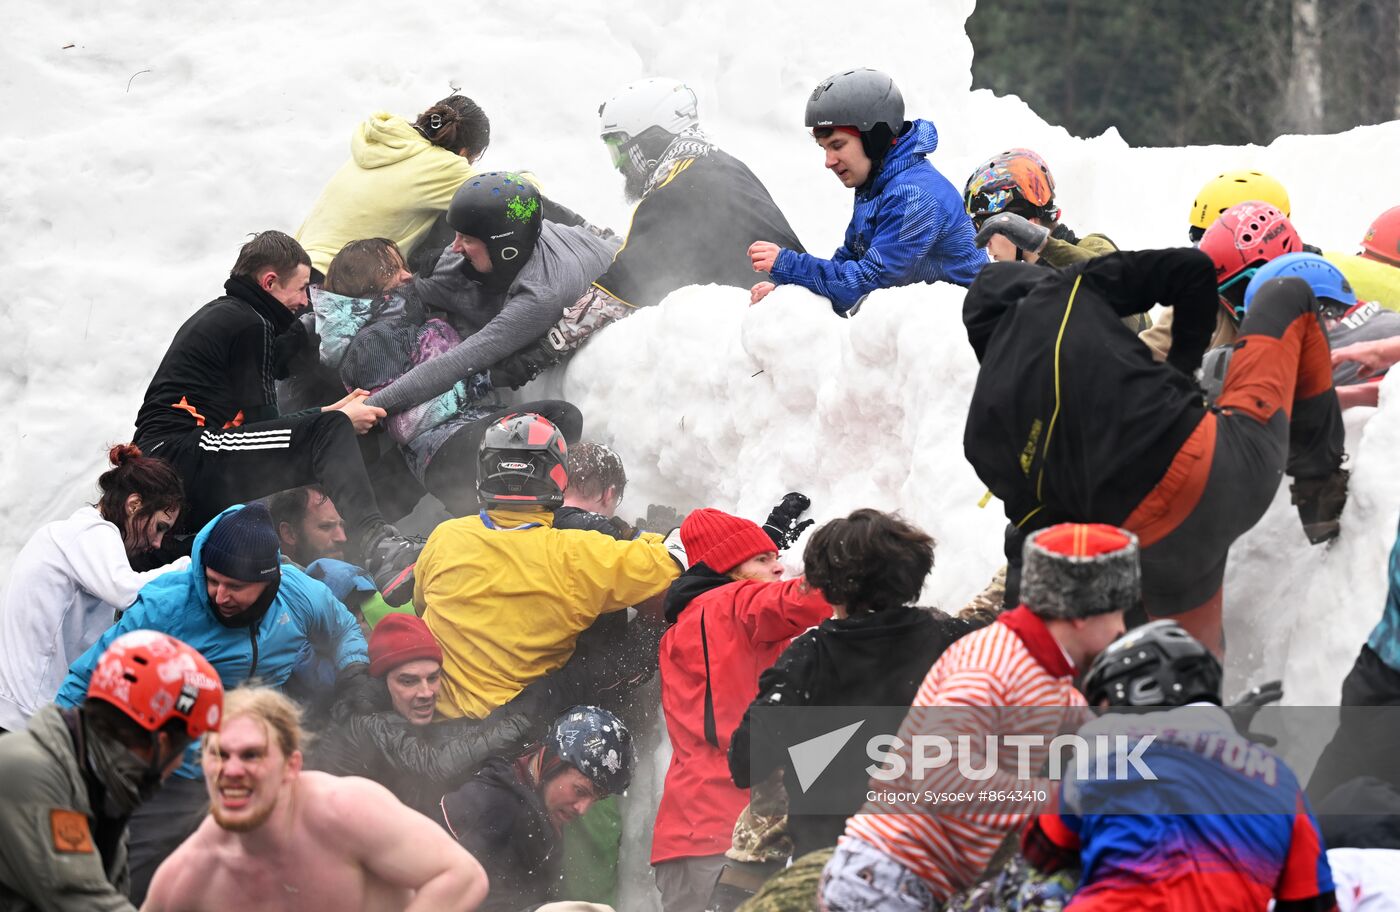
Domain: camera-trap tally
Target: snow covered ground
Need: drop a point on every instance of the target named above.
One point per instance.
(143, 142)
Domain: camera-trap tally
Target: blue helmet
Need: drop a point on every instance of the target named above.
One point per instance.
(1330, 287)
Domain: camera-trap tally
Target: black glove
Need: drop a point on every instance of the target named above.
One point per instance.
(783, 525)
(1025, 235)
(1243, 710)
(356, 693)
(516, 370)
(624, 531)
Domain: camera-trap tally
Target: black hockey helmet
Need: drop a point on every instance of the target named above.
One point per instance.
(1157, 664)
(596, 743)
(503, 210)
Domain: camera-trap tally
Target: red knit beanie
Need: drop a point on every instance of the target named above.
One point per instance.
(722, 542)
(400, 638)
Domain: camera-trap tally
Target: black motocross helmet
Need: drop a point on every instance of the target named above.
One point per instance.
(503, 210)
(522, 463)
(1157, 664)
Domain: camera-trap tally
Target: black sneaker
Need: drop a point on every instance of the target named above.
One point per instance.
(1320, 502)
(390, 561)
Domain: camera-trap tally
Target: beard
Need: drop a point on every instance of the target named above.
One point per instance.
(241, 824)
(634, 184)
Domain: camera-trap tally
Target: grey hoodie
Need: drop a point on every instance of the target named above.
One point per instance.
(565, 261)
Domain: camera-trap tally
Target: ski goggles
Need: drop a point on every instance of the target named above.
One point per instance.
(1232, 293)
(615, 142)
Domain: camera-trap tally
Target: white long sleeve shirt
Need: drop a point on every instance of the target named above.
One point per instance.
(66, 586)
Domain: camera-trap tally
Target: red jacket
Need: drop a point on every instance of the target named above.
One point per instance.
(747, 625)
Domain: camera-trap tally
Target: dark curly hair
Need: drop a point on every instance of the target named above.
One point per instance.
(868, 561)
(456, 123)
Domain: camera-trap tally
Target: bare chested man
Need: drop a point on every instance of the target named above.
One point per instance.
(280, 838)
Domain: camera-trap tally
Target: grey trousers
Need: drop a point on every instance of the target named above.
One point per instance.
(686, 883)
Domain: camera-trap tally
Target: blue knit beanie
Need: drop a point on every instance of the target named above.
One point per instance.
(243, 545)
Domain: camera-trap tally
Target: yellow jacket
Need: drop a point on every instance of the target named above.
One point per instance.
(507, 605)
(1371, 280)
(393, 186)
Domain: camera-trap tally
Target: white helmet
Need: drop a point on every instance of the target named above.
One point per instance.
(664, 103)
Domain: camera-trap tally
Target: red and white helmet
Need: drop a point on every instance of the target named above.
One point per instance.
(153, 678)
(1248, 235)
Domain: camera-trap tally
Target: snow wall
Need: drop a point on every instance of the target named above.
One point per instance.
(144, 142)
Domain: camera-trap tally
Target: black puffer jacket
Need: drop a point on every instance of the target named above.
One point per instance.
(421, 763)
(499, 817)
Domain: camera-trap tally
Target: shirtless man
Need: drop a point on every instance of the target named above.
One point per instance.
(280, 838)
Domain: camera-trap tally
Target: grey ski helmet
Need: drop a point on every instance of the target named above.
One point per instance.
(1157, 664)
(503, 210)
(594, 742)
(857, 98)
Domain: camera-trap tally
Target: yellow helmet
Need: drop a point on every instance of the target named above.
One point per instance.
(1230, 189)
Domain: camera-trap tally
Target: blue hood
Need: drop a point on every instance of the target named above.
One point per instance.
(188, 585)
(908, 150)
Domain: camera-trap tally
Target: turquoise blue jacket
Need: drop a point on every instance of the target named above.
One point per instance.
(303, 620)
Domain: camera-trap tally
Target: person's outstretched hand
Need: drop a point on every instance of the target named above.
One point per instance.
(763, 254)
(759, 292)
(784, 524)
(362, 416)
(1026, 235)
(1371, 357)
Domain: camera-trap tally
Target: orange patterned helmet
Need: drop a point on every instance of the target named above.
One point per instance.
(1017, 180)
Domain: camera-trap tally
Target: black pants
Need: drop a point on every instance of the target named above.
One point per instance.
(222, 468)
(158, 827)
(1366, 743)
(451, 476)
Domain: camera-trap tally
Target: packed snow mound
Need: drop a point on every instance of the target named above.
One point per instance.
(147, 142)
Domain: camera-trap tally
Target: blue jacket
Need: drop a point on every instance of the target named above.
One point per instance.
(909, 226)
(303, 619)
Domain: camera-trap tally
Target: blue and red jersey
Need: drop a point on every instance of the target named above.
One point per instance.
(1142, 847)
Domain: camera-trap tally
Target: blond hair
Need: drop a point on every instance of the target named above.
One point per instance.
(275, 710)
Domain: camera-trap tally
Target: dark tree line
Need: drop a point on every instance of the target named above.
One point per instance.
(1173, 72)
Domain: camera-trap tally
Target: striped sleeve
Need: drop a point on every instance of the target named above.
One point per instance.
(989, 668)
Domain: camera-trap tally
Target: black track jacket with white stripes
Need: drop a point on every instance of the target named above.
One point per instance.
(220, 370)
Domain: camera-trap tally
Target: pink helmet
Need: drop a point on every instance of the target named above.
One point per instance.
(1248, 235)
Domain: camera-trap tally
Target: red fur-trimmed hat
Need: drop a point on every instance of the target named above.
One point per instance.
(1078, 570)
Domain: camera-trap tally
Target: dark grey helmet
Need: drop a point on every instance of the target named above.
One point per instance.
(857, 98)
(1157, 664)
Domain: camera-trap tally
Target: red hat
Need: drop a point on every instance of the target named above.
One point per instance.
(721, 541)
(400, 638)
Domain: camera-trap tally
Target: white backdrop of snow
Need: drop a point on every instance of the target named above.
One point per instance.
(144, 142)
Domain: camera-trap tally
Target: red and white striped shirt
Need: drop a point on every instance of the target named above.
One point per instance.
(1013, 663)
